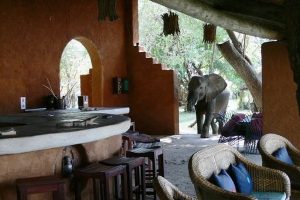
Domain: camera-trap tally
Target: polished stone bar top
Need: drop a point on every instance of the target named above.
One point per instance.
(45, 130)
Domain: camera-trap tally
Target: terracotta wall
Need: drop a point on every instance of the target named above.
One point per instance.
(153, 98)
(279, 93)
(48, 162)
(33, 36)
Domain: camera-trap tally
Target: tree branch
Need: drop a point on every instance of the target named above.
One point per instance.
(244, 69)
(237, 44)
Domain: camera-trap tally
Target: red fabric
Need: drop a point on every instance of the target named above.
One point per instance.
(232, 128)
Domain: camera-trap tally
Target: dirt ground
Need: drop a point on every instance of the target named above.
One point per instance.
(177, 151)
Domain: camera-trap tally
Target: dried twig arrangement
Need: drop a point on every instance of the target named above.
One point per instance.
(107, 8)
(209, 35)
(49, 87)
(171, 25)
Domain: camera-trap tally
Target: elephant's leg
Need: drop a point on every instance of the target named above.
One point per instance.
(207, 123)
(214, 127)
(199, 119)
(208, 120)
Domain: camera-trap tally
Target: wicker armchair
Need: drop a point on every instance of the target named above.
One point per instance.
(211, 160)
(167, 191)
(270, 143)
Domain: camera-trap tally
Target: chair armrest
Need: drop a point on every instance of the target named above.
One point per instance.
(266, 179)
(295, 154)
(184, 196)
(166, 190)
(293, 171)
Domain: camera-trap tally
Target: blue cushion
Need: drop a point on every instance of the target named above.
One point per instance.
(224, 181)
(269, 195)
(282, 155)
(241, 178)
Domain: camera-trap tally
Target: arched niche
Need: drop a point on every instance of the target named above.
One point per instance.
(91, 84)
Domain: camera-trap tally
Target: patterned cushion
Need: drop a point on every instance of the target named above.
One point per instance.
(224, 181)
(282, 155)
(269, 195)
(241, 178)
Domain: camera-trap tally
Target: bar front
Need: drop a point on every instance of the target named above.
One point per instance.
(34, 144)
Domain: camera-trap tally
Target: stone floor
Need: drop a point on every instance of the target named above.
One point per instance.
(177, 151)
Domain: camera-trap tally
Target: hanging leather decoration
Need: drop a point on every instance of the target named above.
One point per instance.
(107, 8)
(171, 25)
(209, 35)
(112, 14)
(102, 12)
(67, 162)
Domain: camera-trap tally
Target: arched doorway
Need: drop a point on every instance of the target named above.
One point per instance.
(80, 73)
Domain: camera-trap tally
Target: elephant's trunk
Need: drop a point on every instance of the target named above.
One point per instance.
(190, 103)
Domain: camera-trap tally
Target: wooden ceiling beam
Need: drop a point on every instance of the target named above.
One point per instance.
(274, 25)
(206, 13)
(292, 17)
(277, 2)
(255, 8)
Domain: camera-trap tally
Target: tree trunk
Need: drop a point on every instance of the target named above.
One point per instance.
(244, 69)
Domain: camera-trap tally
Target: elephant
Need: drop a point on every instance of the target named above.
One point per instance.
(208, 96)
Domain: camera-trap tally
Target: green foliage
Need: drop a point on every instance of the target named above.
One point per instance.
(178, 51)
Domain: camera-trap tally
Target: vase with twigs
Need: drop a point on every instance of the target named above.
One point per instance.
(53, 101)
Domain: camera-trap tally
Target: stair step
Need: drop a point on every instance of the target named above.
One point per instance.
(151, 63)
(155, 61)
(142, 54)
(141, 49)
(164, 67)
(158, 66)
(148, 55)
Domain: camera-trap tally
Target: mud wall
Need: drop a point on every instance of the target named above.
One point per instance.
(279, 93)
(33, 36)
(48, 162)
(153, 94)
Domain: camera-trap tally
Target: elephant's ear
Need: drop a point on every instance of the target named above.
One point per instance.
(215, 85)
(194, 83)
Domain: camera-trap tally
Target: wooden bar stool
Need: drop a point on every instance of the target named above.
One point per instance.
(26, 186)
(132, 164)
(152, 155)
(101, 174)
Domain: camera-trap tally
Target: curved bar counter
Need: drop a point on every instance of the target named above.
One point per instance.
(42, 130)
(42, 140)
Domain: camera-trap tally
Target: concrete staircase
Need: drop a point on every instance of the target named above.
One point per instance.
(150, 61)
(153, 95)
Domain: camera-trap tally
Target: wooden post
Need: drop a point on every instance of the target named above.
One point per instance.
(292, 20)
